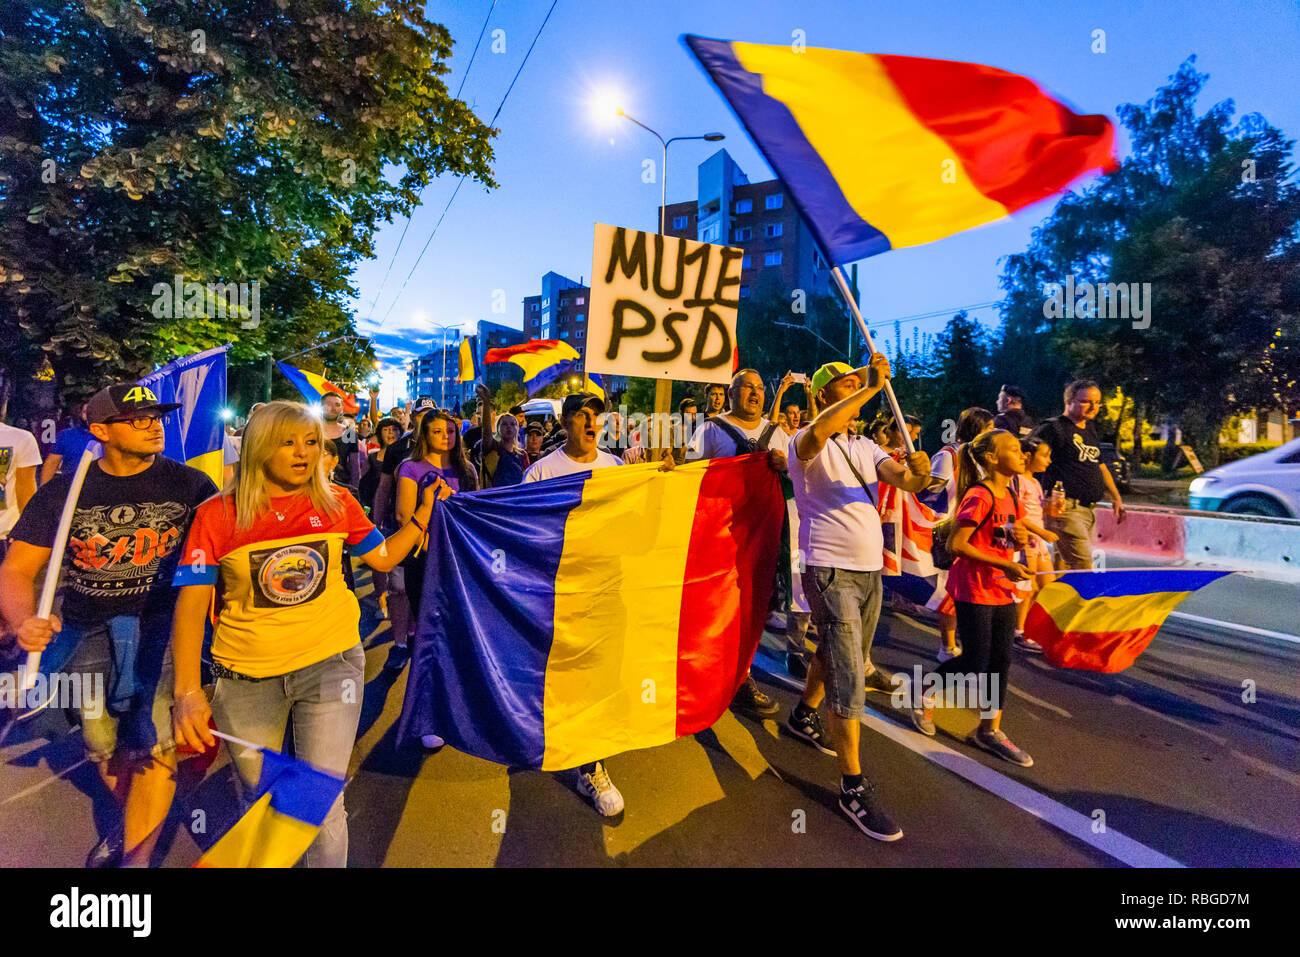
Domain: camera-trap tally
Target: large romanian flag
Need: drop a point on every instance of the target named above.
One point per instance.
(882, 152)
(541, 360)
(315, 387)
(568, 620)
(293, 800)
(1102, 620)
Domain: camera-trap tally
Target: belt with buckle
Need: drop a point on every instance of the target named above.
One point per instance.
(221, 671)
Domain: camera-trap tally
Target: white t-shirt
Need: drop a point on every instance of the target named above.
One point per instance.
(712, 441)
(839, 526)
(18, 450)
(559, 463)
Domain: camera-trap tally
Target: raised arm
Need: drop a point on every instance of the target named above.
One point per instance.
(786, 382)
(835, 418)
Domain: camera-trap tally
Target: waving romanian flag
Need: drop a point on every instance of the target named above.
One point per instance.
(467, 366)
(315, 387)
(293, 800)
(1102, 620)
(882, 152)
(542, 360)
(568, 620)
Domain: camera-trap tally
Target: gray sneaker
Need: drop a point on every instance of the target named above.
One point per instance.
(997, 742)
(923, 720)
(880, 680)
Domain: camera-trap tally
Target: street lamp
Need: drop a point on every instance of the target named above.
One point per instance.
(663, 169)
(442, 371)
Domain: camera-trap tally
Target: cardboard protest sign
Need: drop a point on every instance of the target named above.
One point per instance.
(662, 307)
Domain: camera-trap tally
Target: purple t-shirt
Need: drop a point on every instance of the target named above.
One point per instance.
(423, 475)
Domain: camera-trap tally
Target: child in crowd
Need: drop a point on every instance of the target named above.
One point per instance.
(1038, 558)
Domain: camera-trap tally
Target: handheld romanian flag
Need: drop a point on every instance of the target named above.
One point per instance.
(293, 800)
(1102, 620)
(194, 433)
(572, 619)
(882, 152)
(467, 366)
(315, 387)
(542, 360)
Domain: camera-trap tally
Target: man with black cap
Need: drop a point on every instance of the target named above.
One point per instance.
(580, 416)
(1011, 412)
(130, 521)
(533, 435)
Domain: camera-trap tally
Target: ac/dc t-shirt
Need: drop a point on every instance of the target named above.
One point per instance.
(284, 604)
(980, 582)
(124, 540)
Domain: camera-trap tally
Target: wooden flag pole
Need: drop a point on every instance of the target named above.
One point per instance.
(55, 565)
(663, 405)
(862, 326)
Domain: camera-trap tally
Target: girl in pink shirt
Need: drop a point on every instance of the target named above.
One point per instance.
(1038, 455)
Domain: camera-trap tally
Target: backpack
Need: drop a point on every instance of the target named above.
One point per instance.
(942, 531)
(744, 444)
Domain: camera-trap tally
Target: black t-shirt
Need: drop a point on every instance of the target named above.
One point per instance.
(347, 444)
(125, 538)
(1015, 421)
(1076, 459)
(397, 453)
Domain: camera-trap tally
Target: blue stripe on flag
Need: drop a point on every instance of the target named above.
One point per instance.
(479, 665)
(297, 789)
(842, 233)
(1119, 582)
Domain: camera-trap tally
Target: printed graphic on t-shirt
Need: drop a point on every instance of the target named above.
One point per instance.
(1087, 453)
(6, 459)
(291, 575)
(116, 550)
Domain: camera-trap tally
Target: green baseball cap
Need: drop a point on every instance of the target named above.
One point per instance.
(828, 373)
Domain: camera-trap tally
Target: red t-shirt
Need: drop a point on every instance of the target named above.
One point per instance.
(980, 582)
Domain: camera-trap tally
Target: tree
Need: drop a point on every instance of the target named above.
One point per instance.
(1206, 216)
(218, 142)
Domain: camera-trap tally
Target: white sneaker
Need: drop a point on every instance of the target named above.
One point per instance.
(944, 654)
(431, 741)
(597, 788)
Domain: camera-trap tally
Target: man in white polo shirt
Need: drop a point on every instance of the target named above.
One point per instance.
(835, 477)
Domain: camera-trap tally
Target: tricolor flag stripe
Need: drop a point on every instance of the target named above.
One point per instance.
(623, 611)
(860, 183)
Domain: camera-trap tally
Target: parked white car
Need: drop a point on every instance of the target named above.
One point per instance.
(1264, 484)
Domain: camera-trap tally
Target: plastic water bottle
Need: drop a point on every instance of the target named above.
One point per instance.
(1057, 505)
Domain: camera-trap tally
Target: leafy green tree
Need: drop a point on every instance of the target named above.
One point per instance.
(217, 141)
(1207, 212)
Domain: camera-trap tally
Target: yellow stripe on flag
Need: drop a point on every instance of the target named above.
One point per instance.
(889, 165)
(261, 838)
(210, 464)
(1126, 613)
(611, 677)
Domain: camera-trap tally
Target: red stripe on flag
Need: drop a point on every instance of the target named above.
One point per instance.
(1104, 651)
(531, 347)
(730, 567)
(1017, 144)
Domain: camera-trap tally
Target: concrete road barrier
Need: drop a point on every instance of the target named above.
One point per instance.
(1240, 541)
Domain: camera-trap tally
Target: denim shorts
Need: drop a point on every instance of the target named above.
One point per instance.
(139, 733)
(846, 607)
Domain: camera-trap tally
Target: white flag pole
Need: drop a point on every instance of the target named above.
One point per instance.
(46, 604)
(862, 326)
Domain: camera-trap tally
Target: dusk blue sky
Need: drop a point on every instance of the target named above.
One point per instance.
(560, 171)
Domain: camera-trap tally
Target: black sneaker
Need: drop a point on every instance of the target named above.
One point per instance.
(861, 807)
(809, 728)
(880, 680)
(108, 852)
(749, 698)
(795, 666)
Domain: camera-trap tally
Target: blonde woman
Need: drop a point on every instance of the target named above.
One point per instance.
(286, 644)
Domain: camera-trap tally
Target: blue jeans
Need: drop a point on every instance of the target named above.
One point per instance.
(324, 702)
(846, 607)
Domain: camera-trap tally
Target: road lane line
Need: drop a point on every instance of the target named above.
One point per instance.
(1230, 626)
(1079, 826)
(42, 784)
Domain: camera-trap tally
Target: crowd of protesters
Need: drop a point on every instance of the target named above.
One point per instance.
(163, 572)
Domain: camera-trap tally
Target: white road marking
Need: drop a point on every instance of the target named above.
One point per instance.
(41, 784)
(1079, 826)
(1230, 626)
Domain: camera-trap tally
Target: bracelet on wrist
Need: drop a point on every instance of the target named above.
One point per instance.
(187, 694)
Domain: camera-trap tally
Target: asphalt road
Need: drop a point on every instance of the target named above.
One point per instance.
(1162, 763)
